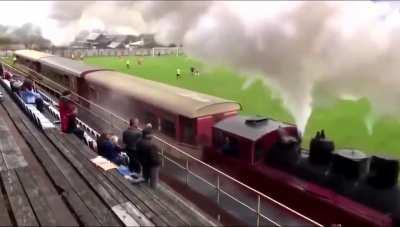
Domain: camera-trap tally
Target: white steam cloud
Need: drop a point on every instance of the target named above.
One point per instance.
(340, 48)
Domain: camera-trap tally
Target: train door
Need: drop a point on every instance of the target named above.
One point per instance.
(168, 127)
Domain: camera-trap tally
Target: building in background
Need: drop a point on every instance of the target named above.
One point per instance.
(102, 40)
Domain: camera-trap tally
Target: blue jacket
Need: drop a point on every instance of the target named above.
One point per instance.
(29, 97)
(109, 150)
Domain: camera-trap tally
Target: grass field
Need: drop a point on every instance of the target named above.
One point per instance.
(343, 120)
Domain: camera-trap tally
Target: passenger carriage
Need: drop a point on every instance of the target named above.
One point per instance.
(181, 114)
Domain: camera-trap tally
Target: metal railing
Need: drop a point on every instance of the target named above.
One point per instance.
(165, 146)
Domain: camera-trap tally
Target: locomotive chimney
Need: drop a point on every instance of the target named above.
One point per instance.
(321, 149)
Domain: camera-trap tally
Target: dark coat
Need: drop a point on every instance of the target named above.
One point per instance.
(148, 153)
(130, 137)
(109, 150)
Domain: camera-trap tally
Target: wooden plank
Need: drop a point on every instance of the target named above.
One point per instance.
(132, 211)
(153, 217)
(94, 203)
(186, 215)
(3, 127)
(82, 168)
(36, 198)
(9, 149)
(5, 219)
(42, 148)
(20, 206)
(161, 212)
(199, 217)
(76, 146)
(53, 199)
(123, 214)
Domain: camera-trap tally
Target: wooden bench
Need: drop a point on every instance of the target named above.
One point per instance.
(31, 200)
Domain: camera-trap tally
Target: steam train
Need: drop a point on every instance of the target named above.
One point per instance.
(332, 186)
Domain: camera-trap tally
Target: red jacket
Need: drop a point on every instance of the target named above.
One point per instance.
(66, 108)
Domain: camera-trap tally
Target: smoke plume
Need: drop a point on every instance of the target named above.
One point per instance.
(338, 48)
(28, 34)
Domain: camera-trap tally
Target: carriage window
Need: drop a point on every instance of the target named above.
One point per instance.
(188, 132)
(168, 127)
(230, 146)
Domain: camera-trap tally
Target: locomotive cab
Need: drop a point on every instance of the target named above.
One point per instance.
(249, 140)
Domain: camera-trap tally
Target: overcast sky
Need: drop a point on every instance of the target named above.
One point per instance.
(38, 12)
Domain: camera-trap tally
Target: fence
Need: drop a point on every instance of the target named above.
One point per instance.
(255, 208)
(76, 53)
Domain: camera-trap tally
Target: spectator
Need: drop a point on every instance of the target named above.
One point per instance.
(16, 85)
(130, 138)
(128, 63)
(110, 150)
(100, 141)
(30, 96)
(73, 123)
(68, 115)
(149, 158)
(65, 110)
(192, 69)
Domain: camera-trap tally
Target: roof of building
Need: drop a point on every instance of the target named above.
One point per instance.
(32, 55)
(172, 99)
(93, 36)
(114, 44)
(68, 66)
(237, 125)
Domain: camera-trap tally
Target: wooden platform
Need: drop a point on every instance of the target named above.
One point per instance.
(46, 178)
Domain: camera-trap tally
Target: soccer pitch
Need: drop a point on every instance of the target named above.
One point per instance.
(342, 120)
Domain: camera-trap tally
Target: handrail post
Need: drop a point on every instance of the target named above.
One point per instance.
(162, 157)
(258, 209)
(218, 198)
(187, 171)
(218, 189)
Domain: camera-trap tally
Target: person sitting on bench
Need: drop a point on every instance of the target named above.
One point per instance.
(30, 96)
(109, 149)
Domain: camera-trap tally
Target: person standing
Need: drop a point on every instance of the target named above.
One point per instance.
(192, 70)
(178, 73)
(128, 63)
(68, 115)
(130, 138)
(149, 157)
(65, 110)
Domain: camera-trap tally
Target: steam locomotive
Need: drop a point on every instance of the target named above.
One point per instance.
(323, 183)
